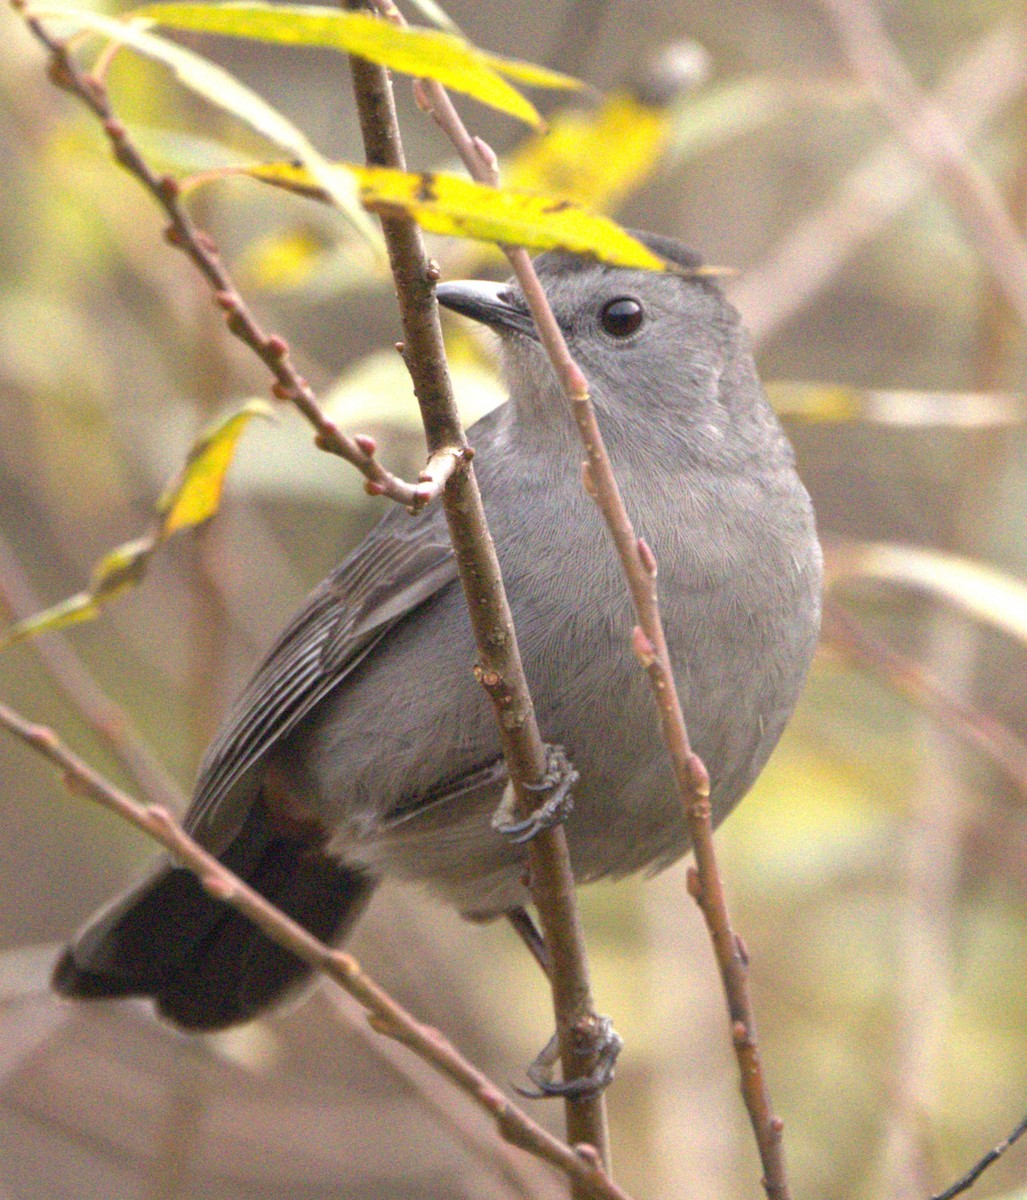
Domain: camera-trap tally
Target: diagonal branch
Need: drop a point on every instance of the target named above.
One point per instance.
(384, 1013)
(183, 233)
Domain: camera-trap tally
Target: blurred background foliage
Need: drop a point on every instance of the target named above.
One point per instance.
(879, 869)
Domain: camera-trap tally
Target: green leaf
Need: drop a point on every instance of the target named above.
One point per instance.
(427, 53)
(452, 205)
(223, 90)
(195, 494)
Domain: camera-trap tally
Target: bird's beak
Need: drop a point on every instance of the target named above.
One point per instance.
(492, 304)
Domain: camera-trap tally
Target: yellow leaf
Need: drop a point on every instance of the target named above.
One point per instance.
(838, 402)
(69, 612)
(595, 158)
(194, 495)
(220, 88)
(450, 204)
(427, 53)
(118, 570)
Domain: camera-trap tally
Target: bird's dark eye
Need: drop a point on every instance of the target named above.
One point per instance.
(622, 317)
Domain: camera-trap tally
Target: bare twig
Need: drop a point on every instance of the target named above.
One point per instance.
(977, 1170)
(500, 670)
(385, 1014)
(184, 234)
(805, 260)
(107, 720)
(639, 566)
(934, 140)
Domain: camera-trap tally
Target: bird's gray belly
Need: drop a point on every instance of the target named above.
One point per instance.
(412, 718)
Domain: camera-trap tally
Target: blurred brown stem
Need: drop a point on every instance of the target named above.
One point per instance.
(843, 632)
(385, 1014)
(935, 141)
(808, 258)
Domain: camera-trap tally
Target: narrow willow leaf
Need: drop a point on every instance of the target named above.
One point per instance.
(838, 402)
(191, 498)
(983, 592)
(118, 570)
(428, 53)
(121, 568)
(80, 607)
(594, 158)
(450, 204)
(221, 89)
(195, 495)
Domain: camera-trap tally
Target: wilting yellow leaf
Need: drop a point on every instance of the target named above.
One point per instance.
(118, 570)
(218, 87)
(595, 158)
(839, 402)
(428, 53)
(193, 497)
(450, 204)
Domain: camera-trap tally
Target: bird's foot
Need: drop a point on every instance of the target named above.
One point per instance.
(595, 1038)
(558, 780)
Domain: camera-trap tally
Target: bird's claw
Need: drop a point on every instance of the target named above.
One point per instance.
(601, 1040)
(558, 780)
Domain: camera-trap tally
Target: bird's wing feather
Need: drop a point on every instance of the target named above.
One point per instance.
(396, 568)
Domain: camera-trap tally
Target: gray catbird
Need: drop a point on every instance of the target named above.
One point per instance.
(364, 747)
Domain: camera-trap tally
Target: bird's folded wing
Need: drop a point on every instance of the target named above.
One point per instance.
(398, 566)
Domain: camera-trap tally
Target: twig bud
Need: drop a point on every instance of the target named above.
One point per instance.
(588, 480)
(366, 443)
(169, 189)
(276, 346)
(646, 557)
(644, 650)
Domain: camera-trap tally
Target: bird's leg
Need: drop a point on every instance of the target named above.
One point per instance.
(558, 780)
(530, 935)
(594, 1036)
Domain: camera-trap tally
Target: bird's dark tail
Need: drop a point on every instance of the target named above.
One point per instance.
(205, 965)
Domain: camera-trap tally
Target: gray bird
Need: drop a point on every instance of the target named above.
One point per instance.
(364, 747)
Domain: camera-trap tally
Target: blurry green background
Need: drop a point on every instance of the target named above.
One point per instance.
(877, 872)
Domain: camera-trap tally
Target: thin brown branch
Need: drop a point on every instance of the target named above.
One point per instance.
(934, 140)
(843, 632)
(108, 721)
(384, 1013)
(183, 233)
(639, 566)
(977, 1170)
(500, 670)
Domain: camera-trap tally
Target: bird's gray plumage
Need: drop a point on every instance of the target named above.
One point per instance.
(364, 740)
